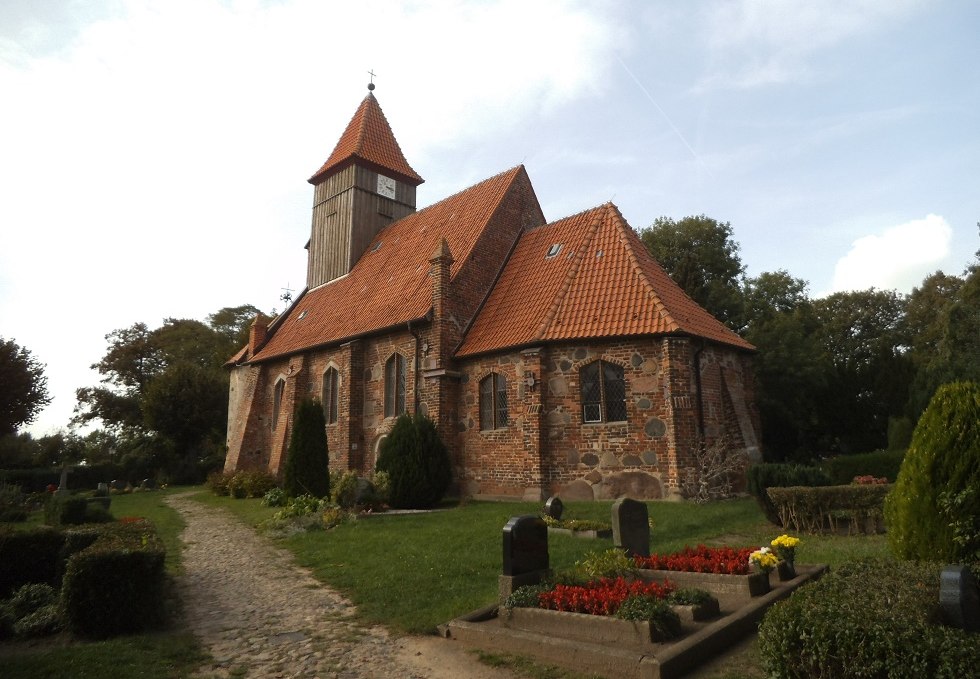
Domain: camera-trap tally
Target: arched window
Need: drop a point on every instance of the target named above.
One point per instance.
(331, 390)
(603, 392)
(395, 385)
(278, 392)
(493, 401)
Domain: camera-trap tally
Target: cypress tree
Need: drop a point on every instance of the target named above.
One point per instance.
(417, 463)
(933, 510)
(307, 461)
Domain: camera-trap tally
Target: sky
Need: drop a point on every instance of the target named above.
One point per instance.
(154, 155)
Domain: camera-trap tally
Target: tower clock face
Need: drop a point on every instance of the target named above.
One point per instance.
(386, 186)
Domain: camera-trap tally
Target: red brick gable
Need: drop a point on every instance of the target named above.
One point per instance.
(390, 284)
(369, 138)
(600, 283)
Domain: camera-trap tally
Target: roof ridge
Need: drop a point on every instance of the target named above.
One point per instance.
(629, 244)
(572, 272)
(513, 169)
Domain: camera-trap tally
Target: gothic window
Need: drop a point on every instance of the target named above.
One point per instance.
(493, 401)
(603, 392)
(395, 386)
(277, 393)
(331, 389)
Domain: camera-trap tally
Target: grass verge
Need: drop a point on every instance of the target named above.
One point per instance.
(414, 572)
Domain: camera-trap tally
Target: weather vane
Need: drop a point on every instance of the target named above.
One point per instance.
(287, 294)
(371, 84)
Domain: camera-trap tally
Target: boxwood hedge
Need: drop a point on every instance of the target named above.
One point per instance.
(867, 619)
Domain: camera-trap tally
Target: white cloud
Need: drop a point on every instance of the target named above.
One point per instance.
(755, 43)
(897, 258)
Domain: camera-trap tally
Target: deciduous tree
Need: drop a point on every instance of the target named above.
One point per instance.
(25, 387)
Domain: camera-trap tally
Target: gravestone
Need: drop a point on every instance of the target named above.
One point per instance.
(63, 482)
(959, 598)
(148, 484)
(116, 484)
(525, 545)
(103, 487)
(554, 507)
(631, 527)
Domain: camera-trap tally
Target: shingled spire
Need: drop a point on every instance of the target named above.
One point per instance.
(364, 185)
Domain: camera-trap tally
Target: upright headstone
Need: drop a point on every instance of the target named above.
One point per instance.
(525, 545)
(63, 482)
(554, 507)
(148, 484)
(959, 598)
(631, 527)
(103, 488)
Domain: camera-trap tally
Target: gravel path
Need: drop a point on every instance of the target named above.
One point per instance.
(260, 615)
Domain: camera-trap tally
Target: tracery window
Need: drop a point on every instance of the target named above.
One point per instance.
(278, 391)
(493, 402)
(603, 392)
(395, 385)
(331, 390)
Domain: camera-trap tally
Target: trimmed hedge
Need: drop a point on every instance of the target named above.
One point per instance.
(85, 477)
(768, 475)
(28, 557)
(117, 584)
(866, 619)
(843, 468)
(816, 509)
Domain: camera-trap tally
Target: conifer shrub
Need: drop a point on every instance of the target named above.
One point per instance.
(417, 463)
(307, 462)
(942, 462)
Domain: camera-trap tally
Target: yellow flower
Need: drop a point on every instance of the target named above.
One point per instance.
(764, 559)
(785, 542)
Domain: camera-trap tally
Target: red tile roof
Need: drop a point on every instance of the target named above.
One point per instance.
(390, 283)
(369, 137)
(601, 283)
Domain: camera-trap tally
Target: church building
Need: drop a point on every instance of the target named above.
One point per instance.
(553, 357)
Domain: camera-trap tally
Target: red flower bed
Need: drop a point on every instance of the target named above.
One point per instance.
(701, 559)
(870, 480)
(600, 598)
(130, 519)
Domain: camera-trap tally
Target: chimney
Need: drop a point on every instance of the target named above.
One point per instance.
(257, 334)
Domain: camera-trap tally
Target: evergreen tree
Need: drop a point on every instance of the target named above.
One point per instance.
(417, 463)
(307, 461)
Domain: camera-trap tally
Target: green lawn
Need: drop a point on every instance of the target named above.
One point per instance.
(414, 572)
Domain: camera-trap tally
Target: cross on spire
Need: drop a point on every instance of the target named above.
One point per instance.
(371, 84)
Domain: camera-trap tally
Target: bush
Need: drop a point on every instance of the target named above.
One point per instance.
(881, 463)
(250, 483)
(656, 611)
(218, 483)
(417, 463)
(117, 584)
(813, 510)
(866, 619)
(32, 611)
(29, 557)
(344, 491)
(611, 563)
(307, 460)
(276, 497)
(942, 461)
(769, 475)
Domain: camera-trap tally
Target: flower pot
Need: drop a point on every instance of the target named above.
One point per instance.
(786, 570)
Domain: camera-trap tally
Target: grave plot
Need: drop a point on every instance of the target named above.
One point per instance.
(629, 626)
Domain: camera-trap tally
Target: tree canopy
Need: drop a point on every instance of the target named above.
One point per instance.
(832, 374)
(25, 387)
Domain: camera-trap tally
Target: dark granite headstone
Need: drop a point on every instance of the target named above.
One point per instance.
(148, 484)
(554, 507)
(525, 545)
(959, 598)
(631, 527)
(116, 484)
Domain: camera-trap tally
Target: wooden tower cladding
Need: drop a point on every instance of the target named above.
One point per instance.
(348, 212)
(364, 185)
